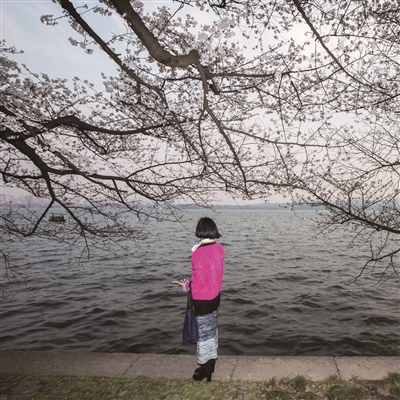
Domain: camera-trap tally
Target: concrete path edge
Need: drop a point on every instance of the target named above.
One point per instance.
(182, 366)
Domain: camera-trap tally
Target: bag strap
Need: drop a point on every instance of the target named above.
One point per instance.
(189, 296)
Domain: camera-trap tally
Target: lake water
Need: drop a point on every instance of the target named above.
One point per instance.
(284, 293)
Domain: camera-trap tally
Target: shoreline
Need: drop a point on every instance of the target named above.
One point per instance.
(258, 368)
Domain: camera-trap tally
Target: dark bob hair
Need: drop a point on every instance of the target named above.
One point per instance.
(207, 229)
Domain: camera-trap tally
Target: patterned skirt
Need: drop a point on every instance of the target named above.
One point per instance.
(207, 344)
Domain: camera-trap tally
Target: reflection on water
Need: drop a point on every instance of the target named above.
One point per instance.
(284, 293)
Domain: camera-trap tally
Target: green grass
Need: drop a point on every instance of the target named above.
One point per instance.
(40, 387)
(394, 381)
(339, 390)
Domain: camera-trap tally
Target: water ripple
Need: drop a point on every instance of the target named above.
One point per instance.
(283, 294)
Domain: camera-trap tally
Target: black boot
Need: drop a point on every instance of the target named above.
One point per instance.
(209, 362)
(204, 371)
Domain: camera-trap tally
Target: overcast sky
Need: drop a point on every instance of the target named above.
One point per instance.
(46, 48)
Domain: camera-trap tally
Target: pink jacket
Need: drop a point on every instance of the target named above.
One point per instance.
(207, 271)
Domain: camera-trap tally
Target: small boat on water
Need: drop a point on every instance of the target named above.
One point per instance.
(57, 218)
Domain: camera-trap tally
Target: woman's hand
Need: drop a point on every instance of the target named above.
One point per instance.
(181, 282)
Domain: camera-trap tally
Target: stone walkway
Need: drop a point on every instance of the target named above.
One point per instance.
(182, 366)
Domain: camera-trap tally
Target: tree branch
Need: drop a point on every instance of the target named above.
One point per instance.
(125, 9)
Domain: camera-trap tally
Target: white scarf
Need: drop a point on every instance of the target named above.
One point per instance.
(202, 241)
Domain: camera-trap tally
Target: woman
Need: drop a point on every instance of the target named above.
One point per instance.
(207, 271)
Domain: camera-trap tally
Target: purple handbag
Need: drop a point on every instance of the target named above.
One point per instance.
(190, 332)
